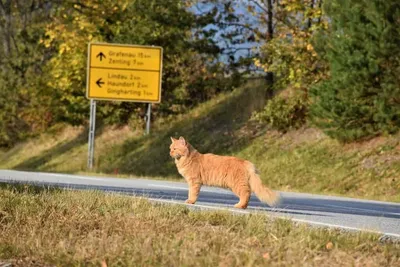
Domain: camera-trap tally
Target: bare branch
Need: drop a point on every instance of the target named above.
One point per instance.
(236, 24)
(263, 8)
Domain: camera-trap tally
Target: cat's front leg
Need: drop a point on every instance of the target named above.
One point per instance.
(194, 190)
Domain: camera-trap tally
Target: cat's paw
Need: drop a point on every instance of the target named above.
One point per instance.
(188, 201)
(240, 206)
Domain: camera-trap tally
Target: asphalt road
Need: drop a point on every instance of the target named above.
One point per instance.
(318, 210)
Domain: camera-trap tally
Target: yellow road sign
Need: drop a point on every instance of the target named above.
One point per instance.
(124, 72)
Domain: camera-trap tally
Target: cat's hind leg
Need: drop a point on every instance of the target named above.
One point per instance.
(243, 191)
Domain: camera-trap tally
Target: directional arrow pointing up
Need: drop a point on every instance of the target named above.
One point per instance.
(99, 82)
(101, 55)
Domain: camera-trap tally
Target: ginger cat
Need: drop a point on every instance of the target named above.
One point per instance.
(230, 172)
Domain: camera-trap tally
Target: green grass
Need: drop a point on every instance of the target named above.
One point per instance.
(41, 227)
(322, 165)
(304, 160)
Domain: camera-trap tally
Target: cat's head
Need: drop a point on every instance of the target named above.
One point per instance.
(179, 148)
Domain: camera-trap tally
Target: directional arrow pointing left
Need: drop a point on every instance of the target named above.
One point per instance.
(99, 82)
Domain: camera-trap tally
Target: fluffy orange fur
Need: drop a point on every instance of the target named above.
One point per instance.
(230, 172)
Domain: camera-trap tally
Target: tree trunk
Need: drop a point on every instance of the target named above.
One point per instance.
(6, 29)
(310, 19)
(270, 16)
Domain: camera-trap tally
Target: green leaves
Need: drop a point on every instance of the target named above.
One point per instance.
(360, 99)
(284, 113)
(43, 59)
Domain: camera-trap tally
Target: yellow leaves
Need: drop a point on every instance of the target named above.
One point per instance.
(293, 5)
(289, 8)
(47, 43)
(257, 62)
(251, 10)
(51, 34)
(75, 62)
(124, 6)
(23, 91)
(291, 54)
(63, 48)
(291, 74)
(188, 4)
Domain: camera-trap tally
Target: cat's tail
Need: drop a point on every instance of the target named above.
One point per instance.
(262, 192)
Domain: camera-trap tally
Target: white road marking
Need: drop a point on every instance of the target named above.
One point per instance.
(167, 186)
(281, 217)
(185, 188)
(341, 226)
(75, 176)
(352, 208)
(200, 205)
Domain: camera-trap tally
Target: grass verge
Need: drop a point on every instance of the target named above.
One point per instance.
(54, 227)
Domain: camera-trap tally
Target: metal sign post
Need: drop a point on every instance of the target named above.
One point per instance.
(120, 72)
(92, 127)
(148, 118)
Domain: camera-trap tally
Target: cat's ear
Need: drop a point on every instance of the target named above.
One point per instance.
(182, 140)
(173, 139)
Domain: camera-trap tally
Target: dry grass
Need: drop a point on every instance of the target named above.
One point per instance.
(65, 228)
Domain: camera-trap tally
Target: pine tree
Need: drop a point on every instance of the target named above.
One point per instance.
(361, 98)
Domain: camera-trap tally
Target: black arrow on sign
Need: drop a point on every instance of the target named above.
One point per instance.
(99, 82)
(101, 55)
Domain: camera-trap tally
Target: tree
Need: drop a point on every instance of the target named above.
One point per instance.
(43, 57)
(361, 98)
(288, 58)
(25, 100)
(189, 58)
(287, 51)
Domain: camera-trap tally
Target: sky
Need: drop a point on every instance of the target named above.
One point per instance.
(240, 9)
